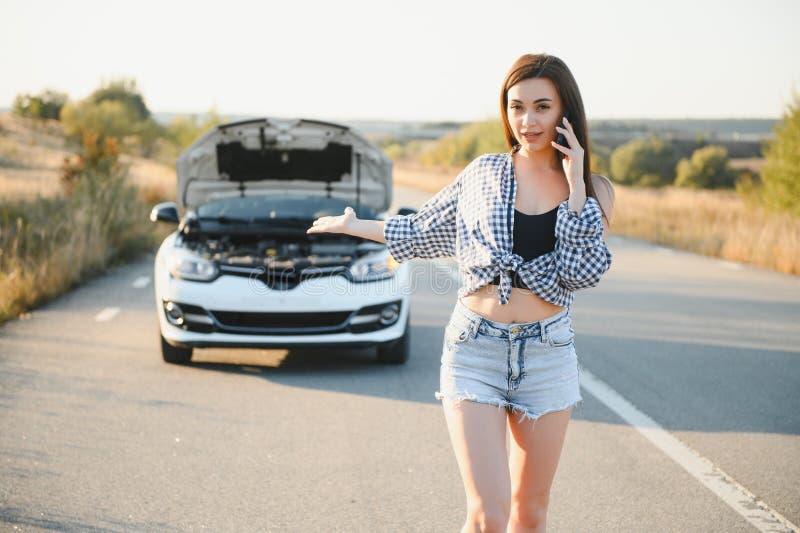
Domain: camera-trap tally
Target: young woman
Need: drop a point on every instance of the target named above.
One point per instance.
(527, 230)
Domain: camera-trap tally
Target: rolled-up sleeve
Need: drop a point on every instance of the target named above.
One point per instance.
(581, 253)
(428, 233)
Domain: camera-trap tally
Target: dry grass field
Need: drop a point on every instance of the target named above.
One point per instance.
(50, 242)
(31, 152)
(713, 223)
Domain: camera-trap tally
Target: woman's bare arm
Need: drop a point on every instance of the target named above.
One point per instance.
(368, 229)
(349, 224)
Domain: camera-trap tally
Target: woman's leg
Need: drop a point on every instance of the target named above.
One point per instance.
(533, 460)
(478, 435)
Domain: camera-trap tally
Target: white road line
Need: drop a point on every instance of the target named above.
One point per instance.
(665, 251)
(744, 502)
(141, 282)
(730, 264)
(106, 314)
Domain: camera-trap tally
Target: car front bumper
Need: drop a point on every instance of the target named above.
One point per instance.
(179, 337)
(240, 312)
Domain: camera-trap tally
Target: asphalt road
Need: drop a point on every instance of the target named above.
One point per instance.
(98, 434)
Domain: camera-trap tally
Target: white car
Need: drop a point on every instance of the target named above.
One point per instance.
(241, 271)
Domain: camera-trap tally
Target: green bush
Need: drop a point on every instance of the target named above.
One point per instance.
(650, 180)
(110, 119)
(181, 132)
(105, 119)
(459, 148)
(647, 162)
(600, 160)
(47, 104)
(707, 169)
(780, 176)
(394, 151)
(145, 137)
(402, 149)
(125, 92)
(184, 130)
(114, 110)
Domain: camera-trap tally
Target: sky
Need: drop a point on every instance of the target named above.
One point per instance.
(413, 60)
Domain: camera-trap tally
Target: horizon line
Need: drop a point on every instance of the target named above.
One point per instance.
(431, 120)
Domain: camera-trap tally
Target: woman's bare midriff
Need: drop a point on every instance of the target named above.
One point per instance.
(523, 305)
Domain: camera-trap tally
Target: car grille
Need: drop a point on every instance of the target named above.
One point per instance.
(282, 321)
(283, 279)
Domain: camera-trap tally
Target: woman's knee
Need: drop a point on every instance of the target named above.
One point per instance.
(488, 516)
(531, 513)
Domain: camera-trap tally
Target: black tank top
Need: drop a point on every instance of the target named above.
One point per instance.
(534, 235)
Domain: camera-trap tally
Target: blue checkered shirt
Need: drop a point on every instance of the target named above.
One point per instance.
(472, 219)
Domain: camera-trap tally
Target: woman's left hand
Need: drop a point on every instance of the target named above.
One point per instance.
(573, 156)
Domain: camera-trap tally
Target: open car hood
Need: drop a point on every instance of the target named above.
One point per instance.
(271, 156)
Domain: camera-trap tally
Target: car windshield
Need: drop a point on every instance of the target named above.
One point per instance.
(285, 207)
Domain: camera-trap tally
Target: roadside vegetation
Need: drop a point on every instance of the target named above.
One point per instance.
(51, 244)
(79, 179)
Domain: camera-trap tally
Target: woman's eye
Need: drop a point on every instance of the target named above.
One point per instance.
(544, 107)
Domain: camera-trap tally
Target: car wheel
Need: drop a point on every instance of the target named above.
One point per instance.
(396, 351)
(175, 355)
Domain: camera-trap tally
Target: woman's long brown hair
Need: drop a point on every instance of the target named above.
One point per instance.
(554, 69)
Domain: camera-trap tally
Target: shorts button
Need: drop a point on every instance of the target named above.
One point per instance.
(515, 330)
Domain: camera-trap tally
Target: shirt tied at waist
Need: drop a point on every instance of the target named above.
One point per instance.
(532, 272)
(507, 263)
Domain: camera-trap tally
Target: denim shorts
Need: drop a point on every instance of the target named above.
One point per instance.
(529, 367)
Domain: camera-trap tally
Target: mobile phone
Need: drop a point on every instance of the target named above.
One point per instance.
(561, 139)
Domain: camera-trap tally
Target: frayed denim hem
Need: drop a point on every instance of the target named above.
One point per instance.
(500, 404)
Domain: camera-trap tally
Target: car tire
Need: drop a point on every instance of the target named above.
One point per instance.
(396, 352)
(175, 355)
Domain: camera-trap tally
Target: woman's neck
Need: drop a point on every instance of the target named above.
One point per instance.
(543, 161)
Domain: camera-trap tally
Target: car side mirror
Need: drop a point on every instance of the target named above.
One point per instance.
(165, 212)
(406, 211)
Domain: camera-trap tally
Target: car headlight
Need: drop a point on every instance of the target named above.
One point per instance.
(186, 265)
(372, 267)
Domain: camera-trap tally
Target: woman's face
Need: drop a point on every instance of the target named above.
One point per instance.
(534, 111)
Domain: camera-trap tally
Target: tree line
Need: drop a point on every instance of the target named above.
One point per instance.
(646, 162)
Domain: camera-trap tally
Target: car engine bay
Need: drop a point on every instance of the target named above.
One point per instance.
(279, 252)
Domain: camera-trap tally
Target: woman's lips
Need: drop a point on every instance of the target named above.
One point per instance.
(532, 136)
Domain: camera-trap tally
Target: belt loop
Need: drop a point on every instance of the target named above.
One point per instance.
(476, 326)
(542, 331)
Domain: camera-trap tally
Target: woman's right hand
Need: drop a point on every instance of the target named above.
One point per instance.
(341, 224)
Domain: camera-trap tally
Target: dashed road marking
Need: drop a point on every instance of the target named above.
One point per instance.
(731, 265)
(744, 502)
(106, 314)
(141, 282)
